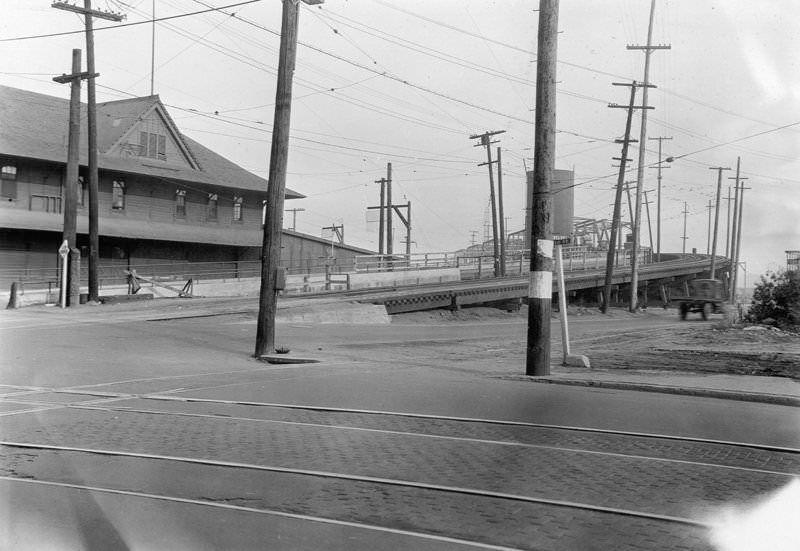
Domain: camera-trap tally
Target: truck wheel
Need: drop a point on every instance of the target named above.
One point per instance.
(707, 307)
(684, 309)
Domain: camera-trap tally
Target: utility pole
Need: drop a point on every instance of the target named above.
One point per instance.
(70, 203)
(276, 188)
(473, 236)
(708, 234)
(91, 123)
(500, 216)
(381, 215)
(389, 232)
(642, 141)
(658, 198)
(734, 231)
(728, 224)
(294, 217)
(540, 288)
(649, 224)
(617, 217)
(685, 212)
(336, 231)
(716, 219)
(738, 237)
(487, 143)
(406, 220)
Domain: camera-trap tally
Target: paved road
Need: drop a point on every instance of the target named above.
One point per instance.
(123, 433)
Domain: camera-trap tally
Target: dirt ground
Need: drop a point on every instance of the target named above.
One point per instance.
(662, 343)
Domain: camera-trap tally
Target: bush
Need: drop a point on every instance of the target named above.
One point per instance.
(776, 297)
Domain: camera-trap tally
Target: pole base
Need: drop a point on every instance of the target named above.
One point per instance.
(576, 360)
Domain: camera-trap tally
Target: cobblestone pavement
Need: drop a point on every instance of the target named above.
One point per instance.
(595, 469)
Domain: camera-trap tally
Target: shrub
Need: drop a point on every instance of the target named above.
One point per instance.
(776, 297)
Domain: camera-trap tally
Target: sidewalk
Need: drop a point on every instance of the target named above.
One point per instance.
(748, 388)
(764, 389)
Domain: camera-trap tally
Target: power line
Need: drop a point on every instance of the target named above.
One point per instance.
(132, 24)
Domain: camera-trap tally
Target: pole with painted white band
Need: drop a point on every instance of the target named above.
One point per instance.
(63, 250)
(540, 291)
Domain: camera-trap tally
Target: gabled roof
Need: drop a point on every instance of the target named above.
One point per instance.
(36, 126)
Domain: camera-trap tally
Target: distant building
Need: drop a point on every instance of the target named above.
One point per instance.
(163, 197)
(793, 261)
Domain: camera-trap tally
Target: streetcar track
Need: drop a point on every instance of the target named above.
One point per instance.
(241, 508)
(765, 447)
(370, 479)
(500, 422)
(433, 436)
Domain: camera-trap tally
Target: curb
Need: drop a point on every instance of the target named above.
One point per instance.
(743, 396)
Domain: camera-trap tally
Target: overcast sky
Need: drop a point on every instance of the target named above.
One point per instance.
(408, 82)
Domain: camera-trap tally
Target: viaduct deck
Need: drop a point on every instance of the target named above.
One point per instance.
(461, 293)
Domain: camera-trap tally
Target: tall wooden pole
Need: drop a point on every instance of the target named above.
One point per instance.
(617, 217)
(70, 203)
(716, 220)
(276, 188)
(540, 289)
(382, 216)
(92, 176)
(493, 201)
(389, 216)
(501, 218)
(648, 49)
(738, 238)
(91, 120)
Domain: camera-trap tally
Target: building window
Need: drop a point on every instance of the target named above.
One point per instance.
(81, 191)
(211, 208)
(8, 182)
(153, 145)
(118, 195)
(180, 202)
(237, 208)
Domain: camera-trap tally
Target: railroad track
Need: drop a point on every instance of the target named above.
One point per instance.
(460, 482)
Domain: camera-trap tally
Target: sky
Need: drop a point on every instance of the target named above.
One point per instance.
(409, 82)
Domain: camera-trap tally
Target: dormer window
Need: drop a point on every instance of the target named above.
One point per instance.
(153, 145)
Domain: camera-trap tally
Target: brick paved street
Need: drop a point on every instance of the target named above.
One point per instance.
(468, 458)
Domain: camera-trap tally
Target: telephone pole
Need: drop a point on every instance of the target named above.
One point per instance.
(642, 141)
(91, 123)
(389, 231)
(381, 215)
(487, 143)
(617, 216)
(738, 238)
(294, 217)
(70, 232)
(276, 188)
(658, 198)
(735, 232)
(708, 234)
(685, 212)
(728, 198)
(716, 219)
(540, 288)
(500, 216)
